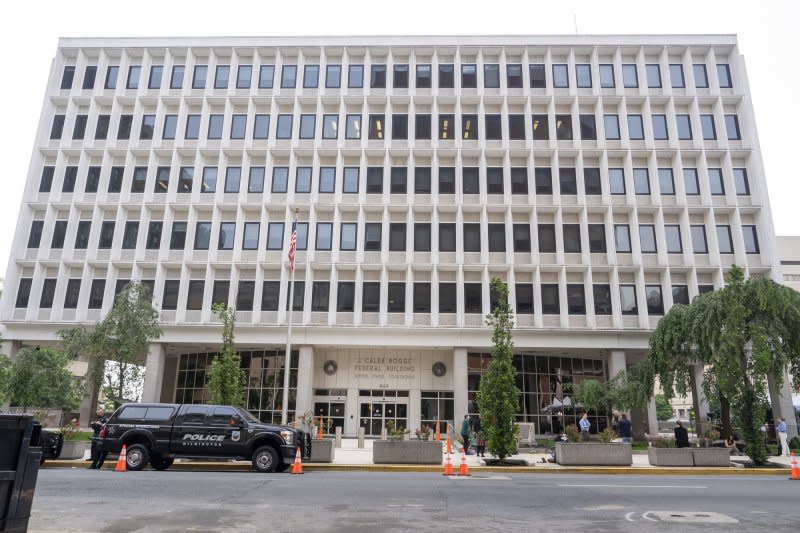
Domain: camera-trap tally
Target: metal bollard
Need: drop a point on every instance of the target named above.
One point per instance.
(337, 437)
(361, 437)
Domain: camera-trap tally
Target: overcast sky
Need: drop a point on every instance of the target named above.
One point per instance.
(767, 31)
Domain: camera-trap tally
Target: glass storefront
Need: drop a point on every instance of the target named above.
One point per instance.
(329, 407)
(436, 405)
(378, 407)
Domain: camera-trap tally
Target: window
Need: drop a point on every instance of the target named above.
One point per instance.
(469, 76)
(447, 237)
(130, 235)
(311, 76)
(423, 76)
(202, 236)
(347, 237)
(266, 75)
(275, 236)
(154, 235)
(89, 76)
(616, 179)
(355, 76)
(345, 296)
(446, 76)
(397, 297)
(732, 127)
(514, 76)
(222, 76)
(233, 178)
(491, 76)
(676, 76)
(200, 75)
(350, 180)
(653, 72)
(23, 293)
(397, 237)
(280, 179)
(602, 298)
(59, 233)
(209, 182)
(192, 127)
(374, 180)
(560, 76)
(96, 293)
(330, 126)
(70, 176)
(750, 239)
(333, 76)
(583, 75)
(469, 127)
(422, 298)
(134, 71)
(324, 237)
(71, 296)
(244, 295)
(422, 126)
(422, 237)
(660, 132)
(399, 126)
(699, 243)
(48, 293)
(215, 126)
(238, 126)
(547, 238)
(627, 296)
(700, 75)
(67, 78)
(194, 300)
(446, 127)
(684, 127)
(665, 181)
(607, 76)
(270, 294)
(715, 181)
(398, 180)
(550, 300)
(707, 127)
(261, 127)
(494, 180)
(641, 181)
(124, 129)
(622, 238)
(568, 183)
(673, 237)
(472, 237)
(597, 238)
(543, 178)
(101, 131)
(177, 240)
(111, 77)
(576, 299)
(115, 179)
(79, 129)
(353, 127)
(740, 181)
(537, 74)
(284, 130)
(680, 294)
(635, 127)
(563, 127)
(725, 240)
(377, 78)
(611, 127)
(588, 127)
(724, 76)
(255, 182)
(472, 298)
(289, 77)
(82, 235)
(372, 237)
(376, 127)
(57, 128)
(519, 180)
(690, 182)
(320, 296)
(176, 78)
(244, 77)
(302, 235)
(572, 238)
(516, 127)
(630, 79)
(422, 180)
(497, 237)
(647, 238)
(591, 181)
(170, 127)
(522, 238)
(655, 301)
(371, 297)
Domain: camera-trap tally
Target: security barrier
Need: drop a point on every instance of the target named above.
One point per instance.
(19, 467)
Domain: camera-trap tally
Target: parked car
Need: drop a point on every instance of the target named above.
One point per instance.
(51, 442)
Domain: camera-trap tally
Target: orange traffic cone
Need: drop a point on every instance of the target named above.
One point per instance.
(320, 431)
(448, 467)
(463, 470)
(795, 468)
(438, 435)
(297, 467)
(449, 445)
(122, 462)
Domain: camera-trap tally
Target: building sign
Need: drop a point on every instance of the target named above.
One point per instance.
(384, 370)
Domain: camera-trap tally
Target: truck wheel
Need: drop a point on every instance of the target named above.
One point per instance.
(137, 457)
(265, 459)
(161, 463)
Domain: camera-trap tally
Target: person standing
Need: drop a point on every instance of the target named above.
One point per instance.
(465, 432)
(98, 455)
(625, 428)
(783, 437)
(585, 426)
(681, 436)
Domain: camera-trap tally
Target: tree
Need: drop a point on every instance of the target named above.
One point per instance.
(498, 397)
(663, 407)
(622, 392)
(740, 334)
(39, 377)
(226, 378)
(123, 336)
(5, 374)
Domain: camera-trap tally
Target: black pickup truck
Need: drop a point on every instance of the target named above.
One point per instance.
(157, 433)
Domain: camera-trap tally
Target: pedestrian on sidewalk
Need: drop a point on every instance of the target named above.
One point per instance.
(681, 436)
(585, 426)
(465, 432)
(783, 437)
(624, 428)
(98, 455)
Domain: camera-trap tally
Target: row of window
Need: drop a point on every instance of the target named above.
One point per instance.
(378, 129)
(398, 236)
(399, 181)
(371, 296)
(400, 74)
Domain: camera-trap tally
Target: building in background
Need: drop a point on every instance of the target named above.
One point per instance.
(603, 177)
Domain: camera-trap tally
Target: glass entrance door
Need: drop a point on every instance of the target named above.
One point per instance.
(378, 407)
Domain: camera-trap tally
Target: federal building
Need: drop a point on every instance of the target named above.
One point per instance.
(604, 178)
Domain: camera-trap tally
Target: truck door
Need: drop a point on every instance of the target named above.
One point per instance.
(190, 433)
(226, 431)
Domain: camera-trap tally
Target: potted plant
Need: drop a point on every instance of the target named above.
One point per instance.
(662, 452)
(76, 443)
(707, 454)
(322, 449)
(423, 433)
(396, 449)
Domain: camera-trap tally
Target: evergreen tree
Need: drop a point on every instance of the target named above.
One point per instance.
(40, 377)
(498, 397)
(226, 378)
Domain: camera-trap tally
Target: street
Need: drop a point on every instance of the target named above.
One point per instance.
(149, 501)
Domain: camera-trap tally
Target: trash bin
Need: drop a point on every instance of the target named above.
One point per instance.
(19, 467)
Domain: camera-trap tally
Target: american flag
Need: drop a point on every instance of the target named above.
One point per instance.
(292, 245)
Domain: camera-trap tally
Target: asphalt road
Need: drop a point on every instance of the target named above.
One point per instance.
(149, 501)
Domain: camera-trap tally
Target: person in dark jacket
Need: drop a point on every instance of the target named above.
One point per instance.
(466, 426)
(681, 436)
(624, 428)
(98, 456)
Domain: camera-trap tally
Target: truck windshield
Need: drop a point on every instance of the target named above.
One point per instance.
(247, 416)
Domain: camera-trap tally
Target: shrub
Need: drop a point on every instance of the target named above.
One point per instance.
(794, 443)
(394, 432)
(573, 433)
(662, 442)
(607, 435)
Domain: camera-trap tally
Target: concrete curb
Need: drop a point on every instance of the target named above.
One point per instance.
(208, 466)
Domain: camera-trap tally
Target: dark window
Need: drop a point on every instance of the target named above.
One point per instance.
(422, 126)
(35, 236)
(469, 127)
(397, 297)
(374, 180)
(472, 237)
(202, 236)
(469, 76)
(522, 238)
(583, 76)
(177, 240)
(724, 76)
(115, 179)
(514, 76)
(588, 127)
(699, 243)
(57, 128)
(79, 129)
(491, 76)
(471, 182)
(399, 126)
(750, 239)
(572, 238)
(139, 179)
(597, 238)
(400, 77)
(377, 126)
(106, 235)
(101, 131)
(567, 181)
(111, 77)
(446, 76)
(377, 79)
(544, 180)
(627, 297)
(270, 295)
(550, 300)
(647, 238)
(371, 297)
(59, 233)
(355, 76)
(194, 299)
(524, 293)
(124, 129)
(244, 295)
(398, 183)
(591, 181)
(169, 301)
(23, 293)
(576, 299)
(345, 296)
(89, 76)
(397, 237)
(48, 293)
(497, 237)
(227, 234)
(207, 184)
(676, 76)
(423, 76)
(96, 292)
(602, 299)
(70, 176)
(422, 297)
(560, 76)
(333, 76)
(311, 76)
(46, 183)
(298, 299)
(447, 127)
(680, 294)
(447, 297)
(320, 296)
(422, 180)
(447, 180)
(622, 238)
(72, 294)
(537, 74)
(630, 78)
(494, 180)
(130, 235)
(607, 76)
(516, 127)
(162, 180)
(148, 125)
(154, 235)
(447, 237)
(289, 77)
(547, 238)
(563, 127)
(472, 298)
(519, 180)
(372, 237)
(655, 300)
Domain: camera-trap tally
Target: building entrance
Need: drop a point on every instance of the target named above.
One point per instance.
(378, 407)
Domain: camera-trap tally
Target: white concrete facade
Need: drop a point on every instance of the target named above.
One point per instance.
(597, 224)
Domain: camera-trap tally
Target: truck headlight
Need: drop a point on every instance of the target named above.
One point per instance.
(288, 437)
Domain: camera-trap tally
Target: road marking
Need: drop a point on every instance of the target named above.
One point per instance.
(493, 478)
(629, 516)
(684, 517)
(635, 486)
(644, 515)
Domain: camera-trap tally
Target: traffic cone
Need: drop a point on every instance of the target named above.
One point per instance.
(122, 462)
(438, 435)
(297, 467)
(448, 467)
(795, 468)
(320, 430)
(449, 445)
(463, 470)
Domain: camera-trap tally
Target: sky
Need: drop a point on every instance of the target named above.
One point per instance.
(29, 32)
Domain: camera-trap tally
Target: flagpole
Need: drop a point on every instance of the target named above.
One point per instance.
(288, 357)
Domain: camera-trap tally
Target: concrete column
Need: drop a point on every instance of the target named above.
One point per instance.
(88, 404)
(781, 400)
(154, 372)
(616, 363)
(414, 410)
(460, 393)
(305, 381)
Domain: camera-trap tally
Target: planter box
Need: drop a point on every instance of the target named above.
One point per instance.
(670, 456)
(322, 451)
(417, 452)
(711, 456)
(594, 454)
(75, 449)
